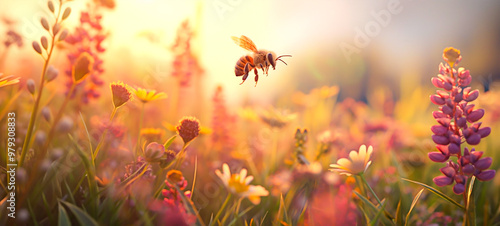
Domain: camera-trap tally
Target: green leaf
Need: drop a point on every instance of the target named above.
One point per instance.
(399, 219)
(471, 205)
(415, 200)
(169, 142)
(82, 217)
(189, 206)
(373, 208)
(63, 216)
(377, 216)
(437, 192)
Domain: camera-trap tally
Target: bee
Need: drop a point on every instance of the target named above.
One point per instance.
(259, 59)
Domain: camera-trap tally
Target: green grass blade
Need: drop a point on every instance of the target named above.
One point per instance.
(373, 208)
(399, 217)
(415, 200)
(471, 205)
(240, 215)
(81, 216)
(437, 192)
(63, 218)
(169, 142)
(189, 206)
(377, 216)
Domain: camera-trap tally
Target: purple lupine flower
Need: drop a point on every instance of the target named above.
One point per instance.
(457, 124)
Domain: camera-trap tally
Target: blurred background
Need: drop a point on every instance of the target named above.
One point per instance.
(357, 45)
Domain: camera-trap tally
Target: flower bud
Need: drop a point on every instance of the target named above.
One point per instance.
(51, 73)
(439, 129)
(471, 96)
(447, 86)
(45, 42)
(30, 84)
(37, 47)
(444, 121)
(461, 122)
(468, 169)
(65, 125)
(437, 100)
(447, 110)
(483, 163)
(459, 188)
(63, 35)
(438, 83)
(463, 74)
(442, 181)
(56, 28)
(464, 82)
(475, 115)
(21, 175)
(486, 175)
(45, 23)
(47, 115)
(82, 67)
(40, 138)
(440, 140)
(50, 4)
(454, 148)
(154, 152)
(484, 132)
(438, 114)
(66, 13)
(437, 157)
(56, 153)
(474, 139)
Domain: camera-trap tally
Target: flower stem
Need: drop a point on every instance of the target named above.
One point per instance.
(370, 188)
(141, 122)
(34, 112)
(103, 136)
(222, 208)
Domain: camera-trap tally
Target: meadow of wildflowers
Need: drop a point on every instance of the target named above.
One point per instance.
(95, 148)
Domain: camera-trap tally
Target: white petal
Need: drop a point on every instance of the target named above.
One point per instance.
(248, 180)
(353, 155)
(243, 175)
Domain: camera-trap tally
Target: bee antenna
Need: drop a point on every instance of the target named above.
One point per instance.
(282, 61)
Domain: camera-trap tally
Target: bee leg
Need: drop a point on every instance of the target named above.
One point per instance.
(247, 69)
(256, 76)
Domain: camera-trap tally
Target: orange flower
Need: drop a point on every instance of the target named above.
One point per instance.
(451, 56)
(82, 67)
(121, 93)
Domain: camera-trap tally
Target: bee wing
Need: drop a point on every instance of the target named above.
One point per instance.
(245, 43)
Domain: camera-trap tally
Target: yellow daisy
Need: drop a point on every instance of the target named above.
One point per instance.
(239, 184)
(146, 96)
(357, 163)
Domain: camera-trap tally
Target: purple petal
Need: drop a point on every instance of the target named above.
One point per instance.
(459, 97)
(475, 155)
(461, 122)
(475, 115)
(486, 175)
(484, 132)
(437, 157)
(483, 163)
(447, 110)
(454, 148)
(437, 100)
(458, 189)
(473, 139)
(438, 83)
(438, 114)
(442, 181)
(472, 96)
(439, 129)
(447, 86)
(464, 82)
(455, 139)
(448, 171)
(442, 139)
(468, 169)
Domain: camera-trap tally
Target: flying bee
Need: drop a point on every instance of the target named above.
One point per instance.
(259, 59)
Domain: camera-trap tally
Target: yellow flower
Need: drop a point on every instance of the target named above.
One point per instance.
(357, 163)
(8, 80)
(239, 184)
(146, 96)
(121, 93)
(451, 56)
(152, 134)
